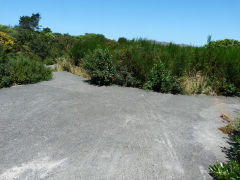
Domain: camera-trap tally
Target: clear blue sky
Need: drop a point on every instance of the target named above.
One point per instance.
(179, 21)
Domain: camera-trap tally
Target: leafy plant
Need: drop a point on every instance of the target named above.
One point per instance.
(227, 89)
(224, 43)
(224, 171)
(6, 41)
(24, 71)
(30, 23)
(87, 43)
(48, 61)
(99, 64)
(5, 76)
(160, 79)
(124, 78)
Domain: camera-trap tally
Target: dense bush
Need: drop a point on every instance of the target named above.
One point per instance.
(135, 60)
(160, 79)
(125, 78)
(87, 43)
(224, 43)
(122, 40)
(137, 57)
(99, 64)
(19, 69)
(24, 71)
(224, 171)
(5, 76)
(6, 41)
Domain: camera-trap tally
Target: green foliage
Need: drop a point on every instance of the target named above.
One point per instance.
(30, 23)
(41, 44)
(209, 39)
(137, 56)
(8, 30)
(224, 171)
(48, 61)
(99, 64)
(44, 44)
(6, 41)
(24, 36)
(122, 40)
(87, 43)
(215, 64)
(5, 76)
(136, 62)
(125, 78)
(160, 79)
(25, 71)
(18, 69)
(223, 43)
(227, 89)
(47, 30)
(237, 124)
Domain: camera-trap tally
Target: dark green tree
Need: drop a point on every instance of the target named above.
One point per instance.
(46, 30)
(30, 23)
(122, 40)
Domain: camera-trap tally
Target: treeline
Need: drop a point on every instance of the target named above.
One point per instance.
(211, 69)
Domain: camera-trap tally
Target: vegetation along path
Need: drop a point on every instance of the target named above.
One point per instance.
(68, 129)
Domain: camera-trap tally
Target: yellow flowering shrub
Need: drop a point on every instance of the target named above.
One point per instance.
(6, 41)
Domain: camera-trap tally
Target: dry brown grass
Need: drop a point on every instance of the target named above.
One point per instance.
(64, 64)
(226, 118)
(196, 83)
(230, 127)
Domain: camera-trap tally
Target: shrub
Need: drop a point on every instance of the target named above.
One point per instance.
(224, 171)
(124, 78)
(137, 56)
(7, 29)
(227, 89)
(177, 87)
(160, 79)
(99, 64)
(122, 40)
(48, 61)
(224, 43)
(87, 43)
(41, 45)
(24, 71)
(6, 41)
(5, 76)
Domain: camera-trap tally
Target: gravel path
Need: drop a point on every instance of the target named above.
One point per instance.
(67, 129)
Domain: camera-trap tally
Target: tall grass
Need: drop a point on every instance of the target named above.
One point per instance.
(219, 65)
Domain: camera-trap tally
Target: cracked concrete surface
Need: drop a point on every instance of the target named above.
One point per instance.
(68, 129)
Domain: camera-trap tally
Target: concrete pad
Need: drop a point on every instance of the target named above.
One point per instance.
(68, 129)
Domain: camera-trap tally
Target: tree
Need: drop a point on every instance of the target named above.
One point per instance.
(30, 23)
(122, 40)
(209, 39)
(46, 30)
